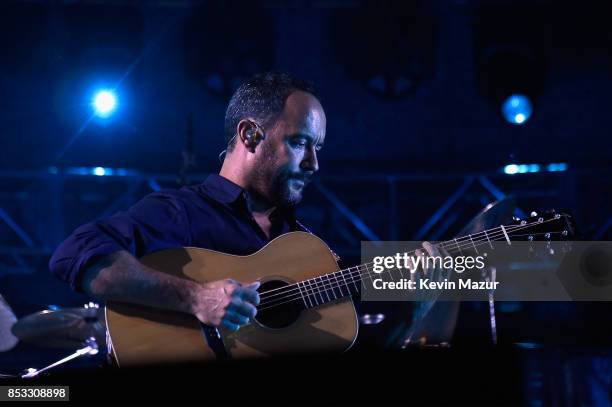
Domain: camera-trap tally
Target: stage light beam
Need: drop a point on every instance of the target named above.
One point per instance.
(104, 103)
(99, 171)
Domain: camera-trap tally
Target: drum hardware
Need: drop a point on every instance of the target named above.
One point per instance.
(83, 328)
(91, 348)
(66, 328)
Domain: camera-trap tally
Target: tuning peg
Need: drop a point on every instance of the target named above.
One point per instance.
(547, 236)
(516, 219)
(534, 214)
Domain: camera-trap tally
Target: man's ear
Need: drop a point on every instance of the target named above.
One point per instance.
(249, 134)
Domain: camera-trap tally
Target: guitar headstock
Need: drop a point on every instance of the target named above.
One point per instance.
(549, 226)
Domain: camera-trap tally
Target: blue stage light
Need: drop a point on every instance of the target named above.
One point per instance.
(512, 169)
(104, 103)
(533, 168)
(517, 109)
(557, 167)
(99, 171)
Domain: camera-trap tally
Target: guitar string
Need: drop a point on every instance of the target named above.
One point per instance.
(314, 285)
(426, 299)
(319, 288)
(462, 239)
(495, 234)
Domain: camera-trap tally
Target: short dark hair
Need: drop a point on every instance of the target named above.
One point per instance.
(263, 98)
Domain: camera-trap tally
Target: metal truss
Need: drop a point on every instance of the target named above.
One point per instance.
(38, 209)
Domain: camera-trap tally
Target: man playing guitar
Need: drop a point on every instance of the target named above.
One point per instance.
(274, 126)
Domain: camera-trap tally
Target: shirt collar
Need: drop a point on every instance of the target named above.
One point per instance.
(225, 191)
(222, 189)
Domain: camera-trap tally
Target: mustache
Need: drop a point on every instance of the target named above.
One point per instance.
(306, 178)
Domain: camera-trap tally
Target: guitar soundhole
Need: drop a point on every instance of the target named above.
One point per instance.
(278, 307)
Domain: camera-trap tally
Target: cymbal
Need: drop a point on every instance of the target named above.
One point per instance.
(66, 328)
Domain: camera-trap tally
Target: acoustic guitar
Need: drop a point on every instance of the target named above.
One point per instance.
(306, 300)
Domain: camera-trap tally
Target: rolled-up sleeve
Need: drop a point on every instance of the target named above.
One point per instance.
(157, 222)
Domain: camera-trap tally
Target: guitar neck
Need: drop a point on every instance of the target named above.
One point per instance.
(342, 283)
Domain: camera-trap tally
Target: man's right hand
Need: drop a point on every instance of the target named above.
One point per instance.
(226, 303)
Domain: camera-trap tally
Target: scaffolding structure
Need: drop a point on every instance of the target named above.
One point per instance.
(38, 209)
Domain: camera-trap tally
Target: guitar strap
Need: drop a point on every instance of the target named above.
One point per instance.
(213, 338)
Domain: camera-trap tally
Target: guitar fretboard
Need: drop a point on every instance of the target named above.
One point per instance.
(331, 287)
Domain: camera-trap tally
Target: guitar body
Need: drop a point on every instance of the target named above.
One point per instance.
(141, 335)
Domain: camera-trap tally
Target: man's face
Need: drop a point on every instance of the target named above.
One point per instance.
(288, 156)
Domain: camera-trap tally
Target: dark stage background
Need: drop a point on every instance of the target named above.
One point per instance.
(416, 142)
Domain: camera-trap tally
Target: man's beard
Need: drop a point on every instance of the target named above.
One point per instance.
(283, 192)
(274, 184)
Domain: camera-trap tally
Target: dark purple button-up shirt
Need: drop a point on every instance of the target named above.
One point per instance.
(212, 215)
